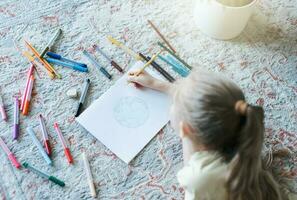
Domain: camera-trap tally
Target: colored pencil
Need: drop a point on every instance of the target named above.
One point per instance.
(141, 57)
(44, 62)
(161, 36)
(124, 48)
(183, 71)
(158, 68)
(174, 55)
(148, 63)
(34, 61)
(37, 55)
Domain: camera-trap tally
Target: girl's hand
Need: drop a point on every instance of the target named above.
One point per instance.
(142, 80)
(146, 80)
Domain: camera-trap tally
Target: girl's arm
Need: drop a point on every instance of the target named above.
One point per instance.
(146, 80)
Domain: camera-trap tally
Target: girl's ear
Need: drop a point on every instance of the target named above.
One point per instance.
(185, 129)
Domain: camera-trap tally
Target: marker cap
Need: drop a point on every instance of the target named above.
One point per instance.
(16, 131)
(57, 181)
(3, 113)
(26, 108)
(14, 161)
(68, 155)
(92, 188)
(113, 63)
(47, 147)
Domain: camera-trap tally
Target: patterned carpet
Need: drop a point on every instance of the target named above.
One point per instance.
(263, 61)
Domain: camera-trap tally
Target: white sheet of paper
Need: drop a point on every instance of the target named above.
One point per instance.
(125, 118)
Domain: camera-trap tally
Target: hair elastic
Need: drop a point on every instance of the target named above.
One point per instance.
(241, 107)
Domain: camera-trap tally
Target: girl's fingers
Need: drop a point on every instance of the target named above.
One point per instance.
(137, 85)
(131, 79)
(135, 73)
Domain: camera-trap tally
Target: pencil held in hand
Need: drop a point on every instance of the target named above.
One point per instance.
(148, 63)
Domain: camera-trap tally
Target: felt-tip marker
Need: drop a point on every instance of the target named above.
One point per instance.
(102, 69)
(44, 175)
(16, 122)
(82, 97)
(2, 109)
(51, 42)
(30, 131)
(66, 64)
(46, 142)
(10, 155)
(62, 139)
(112, 62)
(59, 57)
(89, 175)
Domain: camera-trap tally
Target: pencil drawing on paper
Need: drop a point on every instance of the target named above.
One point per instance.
(131, 112)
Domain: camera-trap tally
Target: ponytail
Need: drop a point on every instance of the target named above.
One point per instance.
(248, 180)
(223, 121)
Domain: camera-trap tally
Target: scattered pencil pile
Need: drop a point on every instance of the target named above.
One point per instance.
(39, 60)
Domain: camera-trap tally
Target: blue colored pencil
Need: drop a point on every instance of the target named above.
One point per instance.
(175, 67)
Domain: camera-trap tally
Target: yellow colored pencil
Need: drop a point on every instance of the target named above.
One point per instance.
(125, 48)
(32, 60)
(148, 63)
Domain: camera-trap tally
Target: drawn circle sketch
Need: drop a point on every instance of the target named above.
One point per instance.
(131, 112)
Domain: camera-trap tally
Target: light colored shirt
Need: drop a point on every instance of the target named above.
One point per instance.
(204, 177)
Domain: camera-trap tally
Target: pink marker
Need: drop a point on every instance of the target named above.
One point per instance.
(2, 110)
(30, 72)
(66, 149)
(46, 142)
(10, 155)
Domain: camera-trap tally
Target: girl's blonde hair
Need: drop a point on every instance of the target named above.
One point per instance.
(207, 103)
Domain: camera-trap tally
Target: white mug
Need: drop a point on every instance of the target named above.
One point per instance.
(223, 19)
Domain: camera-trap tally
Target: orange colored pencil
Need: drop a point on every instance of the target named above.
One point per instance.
(32, 60)
(38, 56)
(44, 62)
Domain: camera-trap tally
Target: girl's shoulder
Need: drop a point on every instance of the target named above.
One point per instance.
(205, 174)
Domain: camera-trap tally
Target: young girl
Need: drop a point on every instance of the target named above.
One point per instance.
(222, 137)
